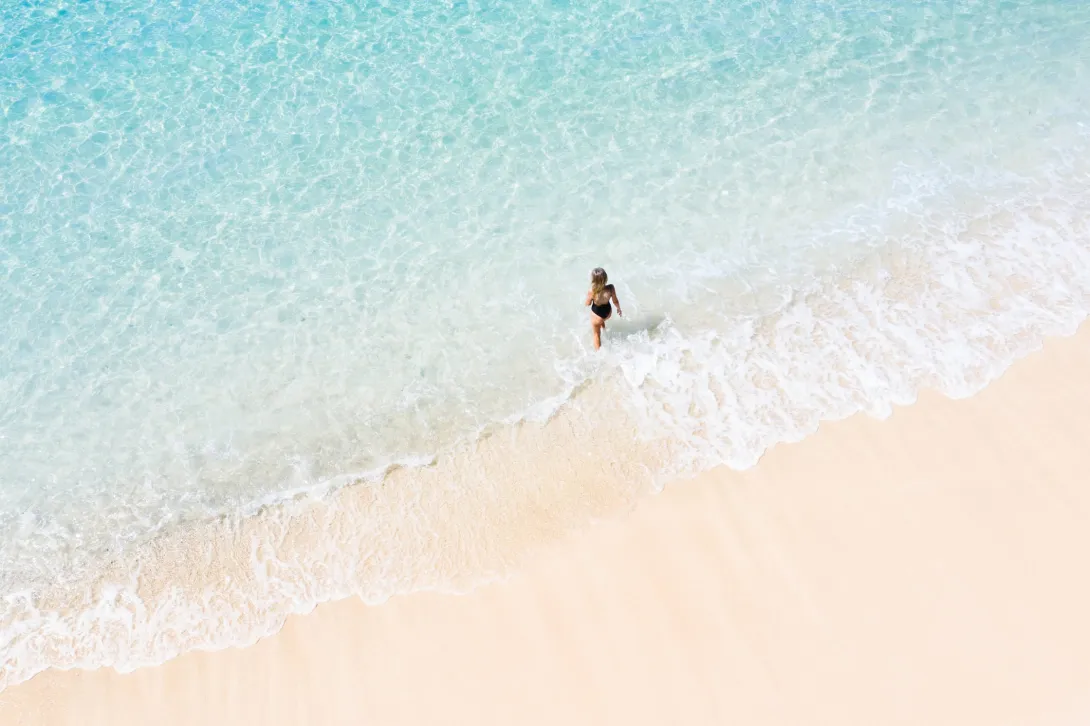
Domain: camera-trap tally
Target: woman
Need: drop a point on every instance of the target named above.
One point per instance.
(599, 297)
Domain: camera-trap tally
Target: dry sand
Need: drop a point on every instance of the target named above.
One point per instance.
(931, 569)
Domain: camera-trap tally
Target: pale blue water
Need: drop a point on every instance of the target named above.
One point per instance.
(249, 247)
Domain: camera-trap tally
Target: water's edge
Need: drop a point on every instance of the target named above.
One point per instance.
(471, 514)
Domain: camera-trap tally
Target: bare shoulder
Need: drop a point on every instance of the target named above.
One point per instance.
(610, 288)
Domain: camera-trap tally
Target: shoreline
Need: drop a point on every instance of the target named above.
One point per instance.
(918, 569)
(866, 337)
(465, 520)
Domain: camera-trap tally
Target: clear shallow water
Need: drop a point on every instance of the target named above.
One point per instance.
(248, 249)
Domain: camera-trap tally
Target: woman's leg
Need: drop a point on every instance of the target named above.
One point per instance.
(598, 324)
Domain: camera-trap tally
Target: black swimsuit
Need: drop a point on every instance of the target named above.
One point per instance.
(602, 311)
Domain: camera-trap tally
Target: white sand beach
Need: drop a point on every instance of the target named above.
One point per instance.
(926, 569)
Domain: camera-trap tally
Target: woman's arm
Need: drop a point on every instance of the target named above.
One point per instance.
(590, 295)
(613, 294)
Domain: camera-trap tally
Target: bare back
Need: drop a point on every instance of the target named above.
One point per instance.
(604, 297)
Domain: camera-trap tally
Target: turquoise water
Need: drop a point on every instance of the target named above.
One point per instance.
(252, 249)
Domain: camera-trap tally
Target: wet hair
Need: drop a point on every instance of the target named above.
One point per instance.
(598, 280)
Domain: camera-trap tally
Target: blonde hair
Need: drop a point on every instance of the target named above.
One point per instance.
(598, 280)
